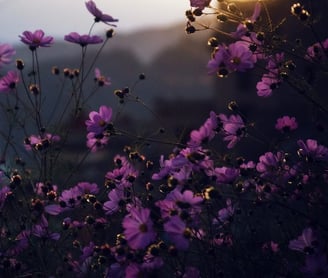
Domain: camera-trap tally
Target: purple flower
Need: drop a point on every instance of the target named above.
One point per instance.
(40, 143)
(36, 39)
(242, 28)
(123, 175)
(82, 40)
(235, 57)
(70, 198)
(268, 83)
(233, 128)
(178, 233)
(116, 199)
(317, 51)
(270, 163)
(99, 16)
(88, 188)
(53, 209)
(151, 262)
(240, 58)
(9, 81)
(275, 62)
(226, 174)
(99, 121)
(311, 149)
(22, 241)
(226, 213)
(168, 208)
(44, 188)
(169, 166)
(205, 133)
(271, 80)
(286, 124)
(200, 4)
(6, 52)
(185, 200)
(138, 228)
(41, 230)
(96, 142)
(101, 79)
(306, 242)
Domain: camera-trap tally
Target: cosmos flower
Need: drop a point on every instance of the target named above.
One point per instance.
(242, 28)
(226, 174)
(116, 199)
(185, 200)
(36, 39)
(233, 129)
(101, 79)
(317, 51)
(6, 52)
(268, 83)
(240, 58)
(286, 123)
(39, 143)
(306, 242)
(205, 133)
(96, 142)
(311, 149)
(98, 121)
(82, 40)
(234, 57)
(9, 81)
(70, 198)
(138, 228)
(99, 15)
(269, 163)
(200, 4)
(178, 233)
(88, 188)
(225, 214)
(41, 230)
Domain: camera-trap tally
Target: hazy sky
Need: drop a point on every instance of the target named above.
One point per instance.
(60, 17)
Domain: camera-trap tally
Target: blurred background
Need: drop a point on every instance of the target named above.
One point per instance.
(178, 93)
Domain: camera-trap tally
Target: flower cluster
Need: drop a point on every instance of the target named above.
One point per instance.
(227, 200)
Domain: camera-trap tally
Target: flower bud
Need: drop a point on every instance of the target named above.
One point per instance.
(110, 33)
(19, 64)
